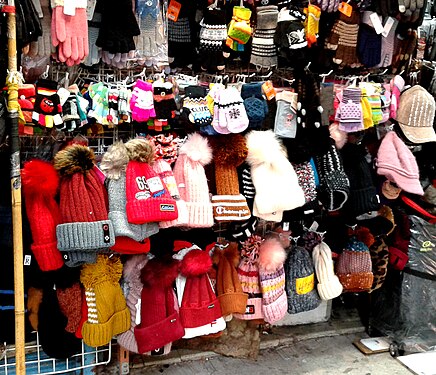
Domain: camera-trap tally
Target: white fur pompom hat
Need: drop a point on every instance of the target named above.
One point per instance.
(273, 176)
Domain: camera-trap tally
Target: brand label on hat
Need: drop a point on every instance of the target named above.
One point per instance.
(305, 285)
(106, 233)
(167, 207)
(250, 310)
(155, 184)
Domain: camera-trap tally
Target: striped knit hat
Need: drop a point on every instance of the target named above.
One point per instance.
(415, 115)
(272, 280)
(248, 273)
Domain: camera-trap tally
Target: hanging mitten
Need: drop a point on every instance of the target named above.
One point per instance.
(164, 104)
(236, 115)
(329, 6)
(141, 103)
(313, 13)
(397, 85)
(42, 47)
(94, 55)
(213, 34)
(369, 42)
(98, 92)
(112, 117)
(152, 33)
(366, 110)
(387, 46)
(349, 114)
(195, 109)
(255, 104)
(123, 104)
(263, 49)
(47, 109)
(70, 114)
(239, 32)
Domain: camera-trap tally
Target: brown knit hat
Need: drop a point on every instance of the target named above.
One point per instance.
(70, 303)
(34, 299)
(232, 298)
(229, 152)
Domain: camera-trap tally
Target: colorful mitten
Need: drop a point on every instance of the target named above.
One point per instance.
(47, 110)
(141, 103)
(239, 32)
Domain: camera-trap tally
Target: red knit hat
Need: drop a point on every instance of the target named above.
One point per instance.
(40, 185)
(83, 203)
(200, 305)
(148, 199)
(126, 245)
(160, 321)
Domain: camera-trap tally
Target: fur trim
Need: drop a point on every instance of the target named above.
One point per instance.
(232, 254)
(114, 161)
(132, 267)
(263, 147)
(272, 255)
(141, 150)
(197, 149)
(40, 177)
(74, 159)
(340, 137)
(160, 273)
(196, 263)
(229, 150)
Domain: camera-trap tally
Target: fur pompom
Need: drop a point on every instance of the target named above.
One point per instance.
(74, 159)
(141, 150)
(263, 147)
(114, 161)
(363, 234)
(339, 136)
(160, 272)
(195, 263)
(229, 150)
(272, 256)
(40, 177)
(197, 149)
(103, 269)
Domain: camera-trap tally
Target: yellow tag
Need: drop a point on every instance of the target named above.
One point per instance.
(173, 10)
(269, 90)
(305, 284)
(345, 8)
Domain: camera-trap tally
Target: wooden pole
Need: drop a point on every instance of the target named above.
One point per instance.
(13, 107)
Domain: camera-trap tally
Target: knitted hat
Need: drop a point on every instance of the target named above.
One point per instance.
(248, 273)
(273, 176)
(228, 153)
(363, 194)
(114, 165)
(83, 205)
(397, 163)
(306, 180)
(328, 285)
(379, 258)
(354, 267)
(70, 303)
(40, 186)
(160, 321)
(381, 224)
(300, 281)
(334, 183)
(272, 256)
(54, 340)
(108, 314)
(415, 115)
(200, 306)
(191, 180)
(133, 285)
(148, 199)
(229, 290)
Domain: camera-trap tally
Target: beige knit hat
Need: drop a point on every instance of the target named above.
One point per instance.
(416, 115)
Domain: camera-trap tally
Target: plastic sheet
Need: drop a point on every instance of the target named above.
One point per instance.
(405, 308)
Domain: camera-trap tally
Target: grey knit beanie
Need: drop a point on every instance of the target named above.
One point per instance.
(300, 281)
(79, 258)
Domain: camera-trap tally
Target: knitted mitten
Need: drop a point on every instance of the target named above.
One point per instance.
(349, 113)
(47, 109)
(313, 14)
(70, 114)
(239, 31)
(141, 103)
(263, 49)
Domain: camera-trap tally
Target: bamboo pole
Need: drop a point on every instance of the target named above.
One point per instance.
(13, 107)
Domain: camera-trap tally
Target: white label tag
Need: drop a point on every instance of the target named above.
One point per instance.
(376, 22)
(27, 260)
(69, 8)
(286, 226)
(388, 26)
(155, 184)
(314, 226)
(90, 7)
(138, 312)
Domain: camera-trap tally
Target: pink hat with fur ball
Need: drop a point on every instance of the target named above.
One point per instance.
(397, 163)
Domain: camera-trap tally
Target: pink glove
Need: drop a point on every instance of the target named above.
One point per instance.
(397, 85)
(141, 102)
(70, 32)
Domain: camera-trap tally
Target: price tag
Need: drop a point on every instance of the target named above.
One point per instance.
(345, 8)
(269, 90)
(69, 8)
(27, 260)
(286, 226)
(173, 10)
(388, 26)
(376, 22)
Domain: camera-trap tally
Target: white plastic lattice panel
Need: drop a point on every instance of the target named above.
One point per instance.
(37, 362)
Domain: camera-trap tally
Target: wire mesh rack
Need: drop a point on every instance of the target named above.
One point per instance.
(37, 362)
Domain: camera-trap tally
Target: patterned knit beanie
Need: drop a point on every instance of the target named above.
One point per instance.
(148, 199)
(354, 267)
(248, 273)
(272, 257)
(85, 227)
(108, 314)
(300, 281)
(191, 180)
(40, 186)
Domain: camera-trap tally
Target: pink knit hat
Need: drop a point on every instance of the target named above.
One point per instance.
(397, 163)
(191, 180)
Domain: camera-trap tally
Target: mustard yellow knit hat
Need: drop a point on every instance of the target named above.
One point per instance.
(108, 314)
